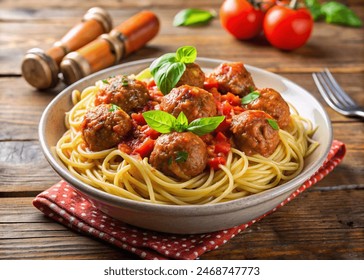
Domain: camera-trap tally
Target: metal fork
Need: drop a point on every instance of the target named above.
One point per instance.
(335, 96)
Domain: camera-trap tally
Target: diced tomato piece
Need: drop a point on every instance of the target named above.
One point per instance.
(222, 147)
(220, 137)
(216, 94)
(145, 148)
(151, 84)
(149, 132)
(224, 125)
(226, 108)
(210, 83)
(238, 110)
(233, 99)
(124, 148)
(222, 144)
(138, 118)
(215, 162)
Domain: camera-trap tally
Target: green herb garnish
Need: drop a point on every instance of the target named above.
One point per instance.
(273, 123)
(250, 97)
(181, 122)
(333, 12)
(105, 81)
(168, 69)
(340, 14)
(203, 126)
(124, 82)
(187, 17)
(181, 156)
(315, 8)
(114, 108)
(164, 122)
(160, 121)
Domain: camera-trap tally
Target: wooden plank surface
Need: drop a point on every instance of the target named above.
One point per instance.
(51, 25)
(325, 222)
(282, 235)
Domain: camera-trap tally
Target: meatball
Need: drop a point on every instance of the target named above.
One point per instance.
(192, 76)
(253, 134)
(129, 94)
(271, 102)
(104, 126)
(182, 155)
(233, 77)
(193, 101)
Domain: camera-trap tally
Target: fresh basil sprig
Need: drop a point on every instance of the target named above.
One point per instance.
(164, 122)
(315, 8)
(203, 126)
(187, 17)
(250, 97)
(160, 121)
(340, 14)
(333, 12)
(168, 69)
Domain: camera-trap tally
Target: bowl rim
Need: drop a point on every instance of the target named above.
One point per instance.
(186, 210)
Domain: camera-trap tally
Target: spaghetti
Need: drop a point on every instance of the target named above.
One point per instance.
(130, 176)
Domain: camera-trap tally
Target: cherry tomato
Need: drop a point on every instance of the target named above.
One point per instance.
(241, 19)
(286, 28)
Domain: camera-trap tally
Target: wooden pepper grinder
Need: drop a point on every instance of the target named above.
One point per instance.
(40, 69)
(110, 48)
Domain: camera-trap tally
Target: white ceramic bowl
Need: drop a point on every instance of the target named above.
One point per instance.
(188, 219)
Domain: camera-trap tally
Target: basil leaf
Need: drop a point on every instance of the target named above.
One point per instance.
(160, 121)
(105, 81)
(114, 108)
(168, 69)
(168, 75)
(187, 17)
(181, 156)
(156, 64)
(164, 122)
(250, 97)
(340, 14)
(273, 123)
(186, 54)
(182, 122)
(203, 126)
(315, 8)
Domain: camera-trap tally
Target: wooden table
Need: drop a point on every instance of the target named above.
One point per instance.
(325, 222)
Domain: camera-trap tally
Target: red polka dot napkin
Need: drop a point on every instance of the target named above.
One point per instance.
(64, 205)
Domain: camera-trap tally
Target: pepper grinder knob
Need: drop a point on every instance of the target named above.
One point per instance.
(40, 69)
(111, 48)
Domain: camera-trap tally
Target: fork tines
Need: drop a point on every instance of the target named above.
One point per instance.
(335, 96)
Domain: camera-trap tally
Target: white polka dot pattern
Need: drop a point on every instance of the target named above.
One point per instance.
(67, 206)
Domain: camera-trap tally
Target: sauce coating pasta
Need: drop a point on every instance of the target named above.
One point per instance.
(246, 154)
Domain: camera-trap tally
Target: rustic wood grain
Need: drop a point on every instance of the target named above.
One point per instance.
(44, 27)
(295, 231)
(325, 222)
